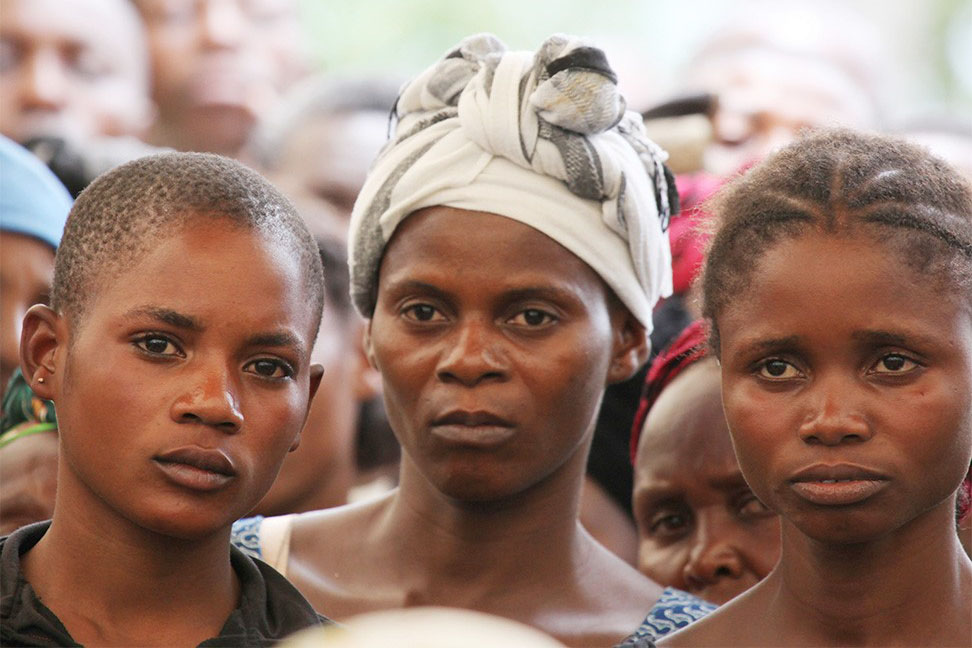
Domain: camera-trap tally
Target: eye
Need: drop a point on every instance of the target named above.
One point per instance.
(422, 313)
(895, 364)
(668, 522)
(158, 345)
(777, 369)
(749, 506)
(270, 368)
(532, 318)
(89, 65)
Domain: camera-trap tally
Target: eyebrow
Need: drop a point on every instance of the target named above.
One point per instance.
(772, 344)
(282, 339)
(166, 316)
(887, 338)
(180, 320)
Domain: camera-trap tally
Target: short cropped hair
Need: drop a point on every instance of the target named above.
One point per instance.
(837, 181)
(124, 212)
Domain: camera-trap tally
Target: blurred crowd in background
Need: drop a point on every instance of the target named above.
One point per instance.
(304, 91)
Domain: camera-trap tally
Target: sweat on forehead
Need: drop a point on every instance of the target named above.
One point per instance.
(843, 183)
(126, 211)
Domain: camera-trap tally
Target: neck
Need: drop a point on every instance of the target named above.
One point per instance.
(532, 533)
(878, 592)
(112, 581)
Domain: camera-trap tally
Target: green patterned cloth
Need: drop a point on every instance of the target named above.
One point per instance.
(24, 413)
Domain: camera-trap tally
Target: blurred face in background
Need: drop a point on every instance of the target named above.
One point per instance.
(218, 66)
(75, 69)
(700, 528)
(26, 272)
(766, 97)
(325, 160)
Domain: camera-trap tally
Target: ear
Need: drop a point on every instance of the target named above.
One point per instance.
(44, 333)
(369, 348)
(316, 373)
(367, 380)
(630, 349)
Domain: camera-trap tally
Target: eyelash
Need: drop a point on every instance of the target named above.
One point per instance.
(762, 367)
(875, 371)
(288, 370)
(547, 318)
(410, 312)
(142, 341)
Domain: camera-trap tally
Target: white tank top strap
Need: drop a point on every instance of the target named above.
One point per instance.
(275, 541)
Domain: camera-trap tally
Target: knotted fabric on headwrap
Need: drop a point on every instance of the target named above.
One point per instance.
(543, 139)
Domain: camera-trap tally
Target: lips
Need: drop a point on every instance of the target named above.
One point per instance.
(837, 485)
(472, 428)
(196, 468)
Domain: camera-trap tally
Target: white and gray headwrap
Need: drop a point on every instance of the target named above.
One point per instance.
(543, 139)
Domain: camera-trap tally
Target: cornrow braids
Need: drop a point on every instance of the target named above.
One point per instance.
(126, 211)
(839, 182)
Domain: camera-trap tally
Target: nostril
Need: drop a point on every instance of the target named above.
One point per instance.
(722, 572)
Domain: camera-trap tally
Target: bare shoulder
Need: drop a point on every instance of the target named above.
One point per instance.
(619, 582)
(737, 623)
(333, 563)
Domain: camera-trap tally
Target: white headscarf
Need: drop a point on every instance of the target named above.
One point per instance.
(543, 139)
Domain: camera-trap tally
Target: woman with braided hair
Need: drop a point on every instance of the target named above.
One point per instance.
(838, 289)
(507, 250)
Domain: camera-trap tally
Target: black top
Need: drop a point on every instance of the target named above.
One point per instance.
(270, 607)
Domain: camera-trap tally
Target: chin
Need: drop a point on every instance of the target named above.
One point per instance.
(841, 527)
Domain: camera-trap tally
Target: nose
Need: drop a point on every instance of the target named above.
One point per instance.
(222, 23)
(43, 81)
(473, 355)
(211, 397)
(713, 555)
(833, 418)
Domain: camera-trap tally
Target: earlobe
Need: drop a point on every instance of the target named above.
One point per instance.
(631, 349)
(367, 380)
(316, 374)
(368, 346)
(44, 333)
(296, 443)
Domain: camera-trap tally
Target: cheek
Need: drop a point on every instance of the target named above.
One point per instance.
(758, 427)
(662, 564)
(936, 431)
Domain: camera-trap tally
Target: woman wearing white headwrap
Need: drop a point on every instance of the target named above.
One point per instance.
(507, 249)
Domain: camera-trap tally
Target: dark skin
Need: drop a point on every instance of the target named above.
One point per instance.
(700, 527)
(477, 313)
(850, 415)
(156, 368)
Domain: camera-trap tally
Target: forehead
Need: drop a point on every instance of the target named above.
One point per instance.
(217, 272)
(337, 148)
(108, 25)
(686, 431)
(829, 288)
(486, 250)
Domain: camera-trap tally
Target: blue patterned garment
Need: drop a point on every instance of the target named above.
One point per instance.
(673, 611)
(246, 536)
